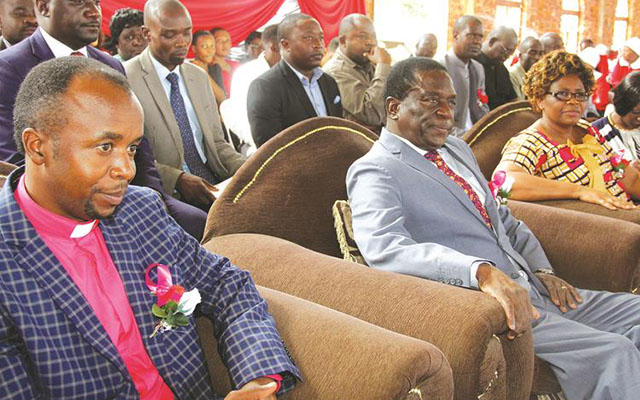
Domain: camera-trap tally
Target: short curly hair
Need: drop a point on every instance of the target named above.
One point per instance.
(124, 18)
(550, 68)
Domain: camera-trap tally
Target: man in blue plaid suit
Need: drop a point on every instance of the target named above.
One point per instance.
(78, 165)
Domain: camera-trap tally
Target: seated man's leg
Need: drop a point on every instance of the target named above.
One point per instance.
(190, 218)
(593, 350)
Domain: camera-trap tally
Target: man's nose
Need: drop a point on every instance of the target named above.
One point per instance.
(124, 167)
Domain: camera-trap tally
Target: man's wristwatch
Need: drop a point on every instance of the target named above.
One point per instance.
(546, 271)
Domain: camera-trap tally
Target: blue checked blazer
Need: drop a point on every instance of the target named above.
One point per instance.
(52, 345)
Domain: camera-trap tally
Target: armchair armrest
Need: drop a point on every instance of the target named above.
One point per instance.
(468, 326)
(588, 250)
(340, 356)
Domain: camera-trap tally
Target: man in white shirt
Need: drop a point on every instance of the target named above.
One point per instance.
(234, 113)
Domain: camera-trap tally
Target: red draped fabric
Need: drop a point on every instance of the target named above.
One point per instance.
(239, 17)
(330, 12)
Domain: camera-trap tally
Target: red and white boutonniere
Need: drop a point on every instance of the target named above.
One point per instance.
(174, 304)
(482, 98)
(619, 164)
(500, 187)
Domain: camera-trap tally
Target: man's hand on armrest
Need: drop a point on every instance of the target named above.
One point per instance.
(195, 190)
(257, 389)
(562, 294)
(513, 298)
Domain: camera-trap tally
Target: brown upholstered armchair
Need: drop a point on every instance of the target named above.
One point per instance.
(287, 190)
(339, 356)
(489, 135)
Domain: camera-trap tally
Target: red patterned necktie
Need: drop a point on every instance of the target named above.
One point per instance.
(433, 156)
(77, 54)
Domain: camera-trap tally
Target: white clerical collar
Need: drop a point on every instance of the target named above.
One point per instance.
(82, 230)
(6, 43)
(58, 48)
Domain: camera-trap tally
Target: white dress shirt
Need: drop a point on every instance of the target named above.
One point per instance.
(163, 72)
(58, 48)
(242, 78)
(312, 88)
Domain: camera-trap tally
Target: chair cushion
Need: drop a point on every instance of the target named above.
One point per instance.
(287, 188)
(343, 222)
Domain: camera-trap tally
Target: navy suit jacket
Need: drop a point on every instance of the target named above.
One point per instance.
(276, 100)
(52, 344)
(15, 64)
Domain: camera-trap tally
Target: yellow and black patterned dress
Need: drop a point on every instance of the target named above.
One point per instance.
(540, 156)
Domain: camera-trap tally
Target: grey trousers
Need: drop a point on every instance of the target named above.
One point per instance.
(594, 349)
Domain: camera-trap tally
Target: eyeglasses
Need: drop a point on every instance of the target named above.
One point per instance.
(507, 52)
(564, 95)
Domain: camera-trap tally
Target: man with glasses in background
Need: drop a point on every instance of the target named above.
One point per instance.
(360, 68)
(499, 46)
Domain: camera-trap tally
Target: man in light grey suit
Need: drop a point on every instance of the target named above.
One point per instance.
(467, 74)
(422, 207)
(180, 113)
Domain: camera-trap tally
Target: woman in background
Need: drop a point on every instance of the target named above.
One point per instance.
(559, 156)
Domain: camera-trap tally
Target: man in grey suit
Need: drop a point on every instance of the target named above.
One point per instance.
(467, 74)
(422, 207)
(180, 113)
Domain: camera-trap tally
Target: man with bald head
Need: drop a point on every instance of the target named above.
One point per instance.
(551, 41)
(86, 260)
(361, 68)
(530, 52)
(296, 88)
(427, 45)
(467, 74)
(18, 21)
(496, 49)
(181, 114)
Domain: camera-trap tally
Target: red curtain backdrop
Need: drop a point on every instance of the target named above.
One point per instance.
(240, 17)
(330, 12)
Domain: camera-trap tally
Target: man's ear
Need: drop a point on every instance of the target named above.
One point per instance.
(284, 45)
(392, 106)
(147, 33)
(342, 40)
(34, 145)
(43, 7)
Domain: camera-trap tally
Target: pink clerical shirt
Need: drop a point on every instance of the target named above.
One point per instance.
(82, 251)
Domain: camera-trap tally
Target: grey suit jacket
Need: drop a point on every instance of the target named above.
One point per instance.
(466, 101)
(408, 217)
(161, 128)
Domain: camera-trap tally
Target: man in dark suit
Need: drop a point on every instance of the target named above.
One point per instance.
(296, 88)
(498, 47)
(18, 21)
(67, 29)
(82, 252)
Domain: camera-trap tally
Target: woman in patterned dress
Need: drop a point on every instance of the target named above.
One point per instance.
(560, 156)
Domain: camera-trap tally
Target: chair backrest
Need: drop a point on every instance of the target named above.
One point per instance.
(488, 136)
(287, 188)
